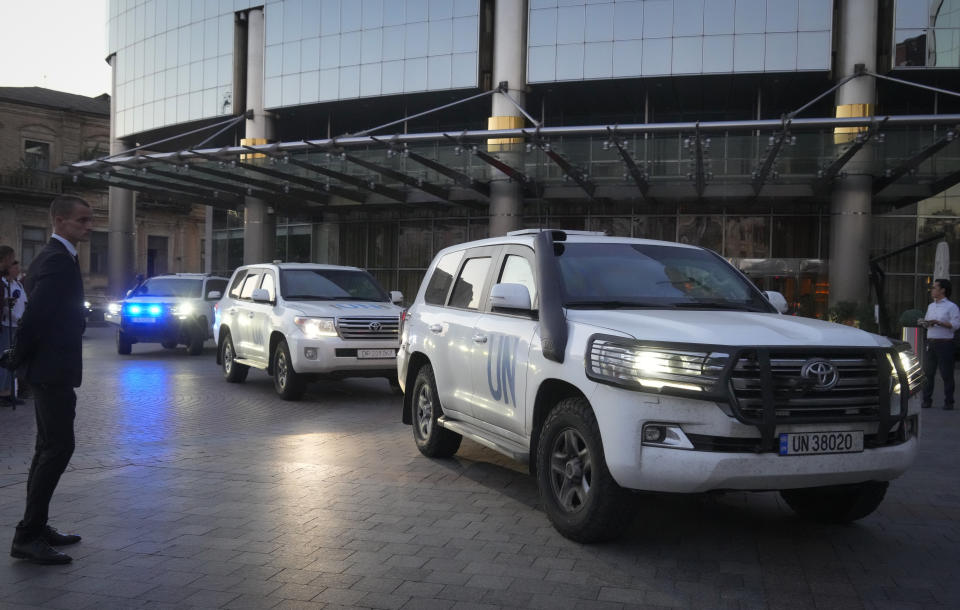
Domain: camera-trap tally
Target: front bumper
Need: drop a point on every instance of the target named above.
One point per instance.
(167, 328)
(621, 416)
(341, 357)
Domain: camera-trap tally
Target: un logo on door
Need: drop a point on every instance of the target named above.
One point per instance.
(822, 372)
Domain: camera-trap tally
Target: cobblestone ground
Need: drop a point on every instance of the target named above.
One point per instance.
(191, 492)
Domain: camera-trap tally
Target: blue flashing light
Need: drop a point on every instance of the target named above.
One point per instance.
(134, 309)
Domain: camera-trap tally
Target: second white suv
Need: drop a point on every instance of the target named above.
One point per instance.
(300, 322)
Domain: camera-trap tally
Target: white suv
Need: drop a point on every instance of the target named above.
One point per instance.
(614, 364)
(301, 321)
(168, 309)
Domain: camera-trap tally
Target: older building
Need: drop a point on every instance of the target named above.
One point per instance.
(798, 138)
(42, 129)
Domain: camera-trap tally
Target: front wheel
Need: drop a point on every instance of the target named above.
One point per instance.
(837, 503)
(579, 495)
(197, 336)
(432, 439)
(233, 371)
(124, 343)
(289, 384)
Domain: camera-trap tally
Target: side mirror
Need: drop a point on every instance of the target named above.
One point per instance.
(396, 297)
(776, 299)
(260, 296)
(510, 296)
(214, 294)
(129, 292)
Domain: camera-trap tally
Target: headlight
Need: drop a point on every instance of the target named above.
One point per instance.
(654, 368)
(182, 310)
(315, 328)
(114, 308)
(910, 363)
(86, 304)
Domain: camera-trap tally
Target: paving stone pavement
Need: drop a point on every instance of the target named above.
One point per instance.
(191, 492)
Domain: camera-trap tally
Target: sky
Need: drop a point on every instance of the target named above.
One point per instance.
(56, 44)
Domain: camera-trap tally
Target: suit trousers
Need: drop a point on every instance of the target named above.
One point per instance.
(55, 407)
(938, 357)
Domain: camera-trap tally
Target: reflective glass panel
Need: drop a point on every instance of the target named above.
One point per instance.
(687, 55)
(750, 16)
(657, 18)
(688, 17)
(570, 62)
(441, 37)
(570, 20)
(780, 52)
(748, 52)
(599, 22)
(782, 15)
(718, 53)
(542, 64)
(656, 55)
(598, 60)
(465, 30)
(628, 20)
(543, 27)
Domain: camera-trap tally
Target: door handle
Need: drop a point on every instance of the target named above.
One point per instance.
(436, 328)
(479, 338)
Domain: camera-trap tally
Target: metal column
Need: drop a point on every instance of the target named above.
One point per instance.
(120, 239)
(852, 197)
(509, 58)
(259, 222)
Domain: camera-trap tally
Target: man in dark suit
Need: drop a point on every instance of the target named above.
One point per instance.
(49, 350)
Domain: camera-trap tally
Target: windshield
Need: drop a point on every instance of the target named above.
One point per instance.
(648, 275)
(169, 287)
(330, 285)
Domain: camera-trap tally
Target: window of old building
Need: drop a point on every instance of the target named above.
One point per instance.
(36, 154)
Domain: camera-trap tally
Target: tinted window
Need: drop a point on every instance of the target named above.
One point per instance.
(237, 283)
(215, 285)
(645, 275)
(170, 287)
(249, 285)
(516, 270)
(330, 285)
(436, 292)
(466, 292)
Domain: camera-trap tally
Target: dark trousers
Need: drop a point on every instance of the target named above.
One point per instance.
(938, 357)
(56, 408)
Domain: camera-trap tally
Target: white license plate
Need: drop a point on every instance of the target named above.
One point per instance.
(816, 443)
(376, 353)
(143, 320)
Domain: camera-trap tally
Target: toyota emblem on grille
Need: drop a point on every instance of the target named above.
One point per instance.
(374, 327)
(822, 372)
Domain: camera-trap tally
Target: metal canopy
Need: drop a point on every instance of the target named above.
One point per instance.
(791, 160)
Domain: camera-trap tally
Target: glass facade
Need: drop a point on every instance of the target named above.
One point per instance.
(598, 39)
(327, 50)
(174, 60)
(926, 34)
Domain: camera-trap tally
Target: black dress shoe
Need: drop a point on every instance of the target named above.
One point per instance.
(38, 551)
(55, 538)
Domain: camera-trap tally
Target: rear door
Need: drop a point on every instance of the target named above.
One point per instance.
(259, 315)
(452, 331)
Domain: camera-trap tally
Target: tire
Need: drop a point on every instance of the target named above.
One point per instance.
(124, 344)
(197, 336)
(169, 344)
(233, 372)
(432, 440)
(579, 495)
(289, 384)
(837, 503)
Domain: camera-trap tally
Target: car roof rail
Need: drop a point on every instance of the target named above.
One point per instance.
(555, 232)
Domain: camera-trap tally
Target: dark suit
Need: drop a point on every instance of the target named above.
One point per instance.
(49, 347)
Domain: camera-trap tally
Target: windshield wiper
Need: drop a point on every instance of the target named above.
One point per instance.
(716, 305)
(613, 305)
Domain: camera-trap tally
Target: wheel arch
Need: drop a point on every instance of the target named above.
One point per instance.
(222, 332)
(275, 338)
(550, 392)
(416, 362)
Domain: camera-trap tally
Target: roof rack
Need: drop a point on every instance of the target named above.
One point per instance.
(535, 231)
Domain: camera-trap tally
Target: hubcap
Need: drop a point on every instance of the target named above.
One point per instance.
(282, 370)
(424, 411)
(227, 356)
(571, 470)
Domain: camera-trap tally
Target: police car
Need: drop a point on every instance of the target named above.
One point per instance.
(301, 322)
(615, 364)
(171, 310)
